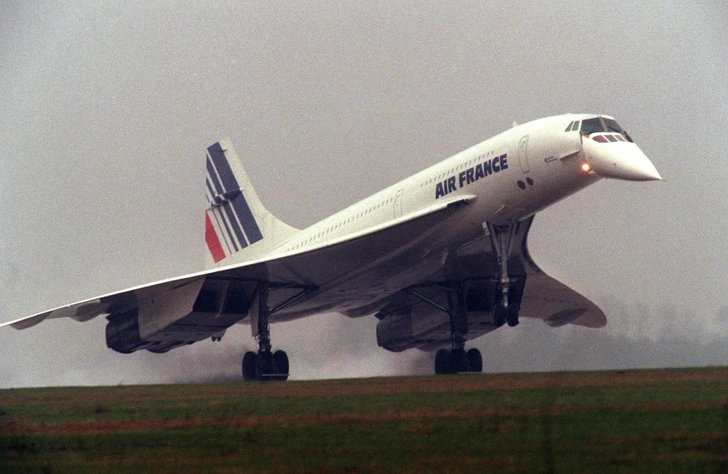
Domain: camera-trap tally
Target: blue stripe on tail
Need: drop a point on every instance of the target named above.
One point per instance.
(236, 236)
(237, 210)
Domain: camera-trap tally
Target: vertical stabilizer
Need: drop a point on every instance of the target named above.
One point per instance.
(237, 225)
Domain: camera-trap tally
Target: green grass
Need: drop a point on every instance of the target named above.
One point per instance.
(635, 421)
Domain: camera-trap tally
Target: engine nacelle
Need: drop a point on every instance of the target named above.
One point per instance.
(180, 316)
(413, 326)
(122, 332)
(422, 325)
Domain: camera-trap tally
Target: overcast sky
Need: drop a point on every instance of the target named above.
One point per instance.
(106, 110)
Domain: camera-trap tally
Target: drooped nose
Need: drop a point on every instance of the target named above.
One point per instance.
(618, 160)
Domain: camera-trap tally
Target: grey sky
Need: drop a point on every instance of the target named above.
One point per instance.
(105, 112)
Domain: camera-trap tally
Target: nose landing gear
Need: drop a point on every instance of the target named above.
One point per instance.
(505, 315)
(501, 239)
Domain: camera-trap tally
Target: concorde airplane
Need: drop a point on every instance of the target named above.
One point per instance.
(439, 259)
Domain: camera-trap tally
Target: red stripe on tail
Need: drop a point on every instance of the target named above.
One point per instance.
(213, 241)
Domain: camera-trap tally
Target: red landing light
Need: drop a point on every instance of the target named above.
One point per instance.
(585, 167)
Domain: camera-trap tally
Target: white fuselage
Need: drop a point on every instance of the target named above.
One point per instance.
(509, 178)
(551, 159)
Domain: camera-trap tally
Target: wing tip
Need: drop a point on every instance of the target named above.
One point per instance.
(587, 317)
(27, 322)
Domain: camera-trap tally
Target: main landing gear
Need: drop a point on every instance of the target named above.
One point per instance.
(266, 364)
(457, 360)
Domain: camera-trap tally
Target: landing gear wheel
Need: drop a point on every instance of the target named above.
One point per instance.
(475, 360)
(442, 362)
(280, 362)
(499, 315)
(458, 361)
(263, 366)
(512, 317)
(249, 367)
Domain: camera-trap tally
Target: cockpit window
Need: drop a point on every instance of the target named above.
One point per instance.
(601, 124)
(590, 126)
(613, 126)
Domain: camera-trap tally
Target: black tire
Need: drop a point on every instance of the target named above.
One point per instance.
(263, 366)
(512, 317)
(499, 315)
(280, 363)
(475, 360)
(458, 361)
(442, 362)
(249, 367)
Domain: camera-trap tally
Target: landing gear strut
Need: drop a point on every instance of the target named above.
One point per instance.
(501, 239)
(456, 360)
(266, 364)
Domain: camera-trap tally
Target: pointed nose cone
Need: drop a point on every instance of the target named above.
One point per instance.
(620, 160)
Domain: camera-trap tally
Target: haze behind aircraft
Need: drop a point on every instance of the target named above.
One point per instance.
(439, 259)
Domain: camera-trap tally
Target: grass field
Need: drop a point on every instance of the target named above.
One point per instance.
(627, 421)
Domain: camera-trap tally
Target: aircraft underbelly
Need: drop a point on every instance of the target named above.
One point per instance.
(360, 283)
(374, 282)
(350, 277)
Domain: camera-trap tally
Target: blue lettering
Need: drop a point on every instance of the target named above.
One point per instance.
(451, 185)
(479, 172)
(471, 175)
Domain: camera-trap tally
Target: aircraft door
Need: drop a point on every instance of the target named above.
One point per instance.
(523, 154)
(398, 203)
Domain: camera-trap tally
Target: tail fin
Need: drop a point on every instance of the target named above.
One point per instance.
(237, 225)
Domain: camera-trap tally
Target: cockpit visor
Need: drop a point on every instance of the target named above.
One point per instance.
(599, 125)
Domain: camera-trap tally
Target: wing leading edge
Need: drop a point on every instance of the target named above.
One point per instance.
(198, 304)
